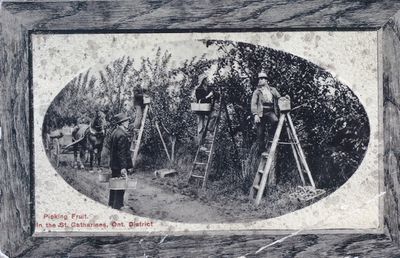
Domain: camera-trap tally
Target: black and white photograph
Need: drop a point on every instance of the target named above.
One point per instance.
(203, 130)
(199, 129)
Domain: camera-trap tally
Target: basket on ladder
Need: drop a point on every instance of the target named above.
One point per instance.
(200, 107)
(146, 99)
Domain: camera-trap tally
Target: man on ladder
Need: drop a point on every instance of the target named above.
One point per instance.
(205, 93)
(207, 130)
(263, 107)
(139, 101)
(264, 171)
(142, 109)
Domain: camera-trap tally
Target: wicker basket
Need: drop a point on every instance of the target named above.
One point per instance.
(104, 178)
(122, 183)
(146, 99)
(200, 107)
(284, 104)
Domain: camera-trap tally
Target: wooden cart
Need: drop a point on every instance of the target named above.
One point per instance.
(58, 143)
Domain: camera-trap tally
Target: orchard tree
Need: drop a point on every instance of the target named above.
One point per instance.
(115, 89)
(331, 122)
(171, 90)
(75, 101)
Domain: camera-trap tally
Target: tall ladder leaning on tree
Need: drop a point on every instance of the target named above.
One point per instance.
(204, 155)
(266, 162)
(138, 133)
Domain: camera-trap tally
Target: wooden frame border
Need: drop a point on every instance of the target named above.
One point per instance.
(18, 19)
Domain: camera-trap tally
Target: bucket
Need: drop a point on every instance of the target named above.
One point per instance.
(122, 183)
(200, 107)
(104, 178)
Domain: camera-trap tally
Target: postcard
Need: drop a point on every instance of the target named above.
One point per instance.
(185, 133)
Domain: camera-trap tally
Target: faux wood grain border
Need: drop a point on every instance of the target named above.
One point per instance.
(18, 18)
(391, 121)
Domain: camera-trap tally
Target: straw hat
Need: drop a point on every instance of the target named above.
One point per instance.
(262, 75)
(201, 79)
(120, 118)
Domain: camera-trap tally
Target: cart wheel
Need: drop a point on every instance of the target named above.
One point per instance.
(55, 152)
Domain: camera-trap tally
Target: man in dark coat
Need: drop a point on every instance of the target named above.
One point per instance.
(120, 158)
(140, 92)
(205, 93)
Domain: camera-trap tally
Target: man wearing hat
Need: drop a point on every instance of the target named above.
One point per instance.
(120, 158)
(140, 92)
(263, 104)
(206, 94)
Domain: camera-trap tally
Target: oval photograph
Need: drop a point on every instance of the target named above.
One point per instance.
(206, 131)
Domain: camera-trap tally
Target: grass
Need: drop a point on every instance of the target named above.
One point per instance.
(234, 203)
(230, 199)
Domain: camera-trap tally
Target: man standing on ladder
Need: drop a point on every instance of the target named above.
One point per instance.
(140, 92)
(263, 105)
(207, 130)
(140, 100)
(206, 94)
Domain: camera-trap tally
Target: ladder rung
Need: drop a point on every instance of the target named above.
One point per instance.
(264, 154)
(256, 187)
(200, 163)
(261, 171)
(197, 176)
(286, 143)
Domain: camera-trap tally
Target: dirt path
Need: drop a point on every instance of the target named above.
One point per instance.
(148, 200)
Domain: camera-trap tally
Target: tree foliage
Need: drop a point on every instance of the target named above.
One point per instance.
(330, 121)
(75, 101)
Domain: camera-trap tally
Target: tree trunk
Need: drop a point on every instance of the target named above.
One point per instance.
(172, 139)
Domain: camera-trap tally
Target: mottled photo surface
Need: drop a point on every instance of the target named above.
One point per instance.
(216, 132)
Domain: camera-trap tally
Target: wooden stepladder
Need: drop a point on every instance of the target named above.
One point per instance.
(267, 158)
(138, 133)
(203, 159)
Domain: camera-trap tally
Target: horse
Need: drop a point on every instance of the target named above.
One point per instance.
(89, 138)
